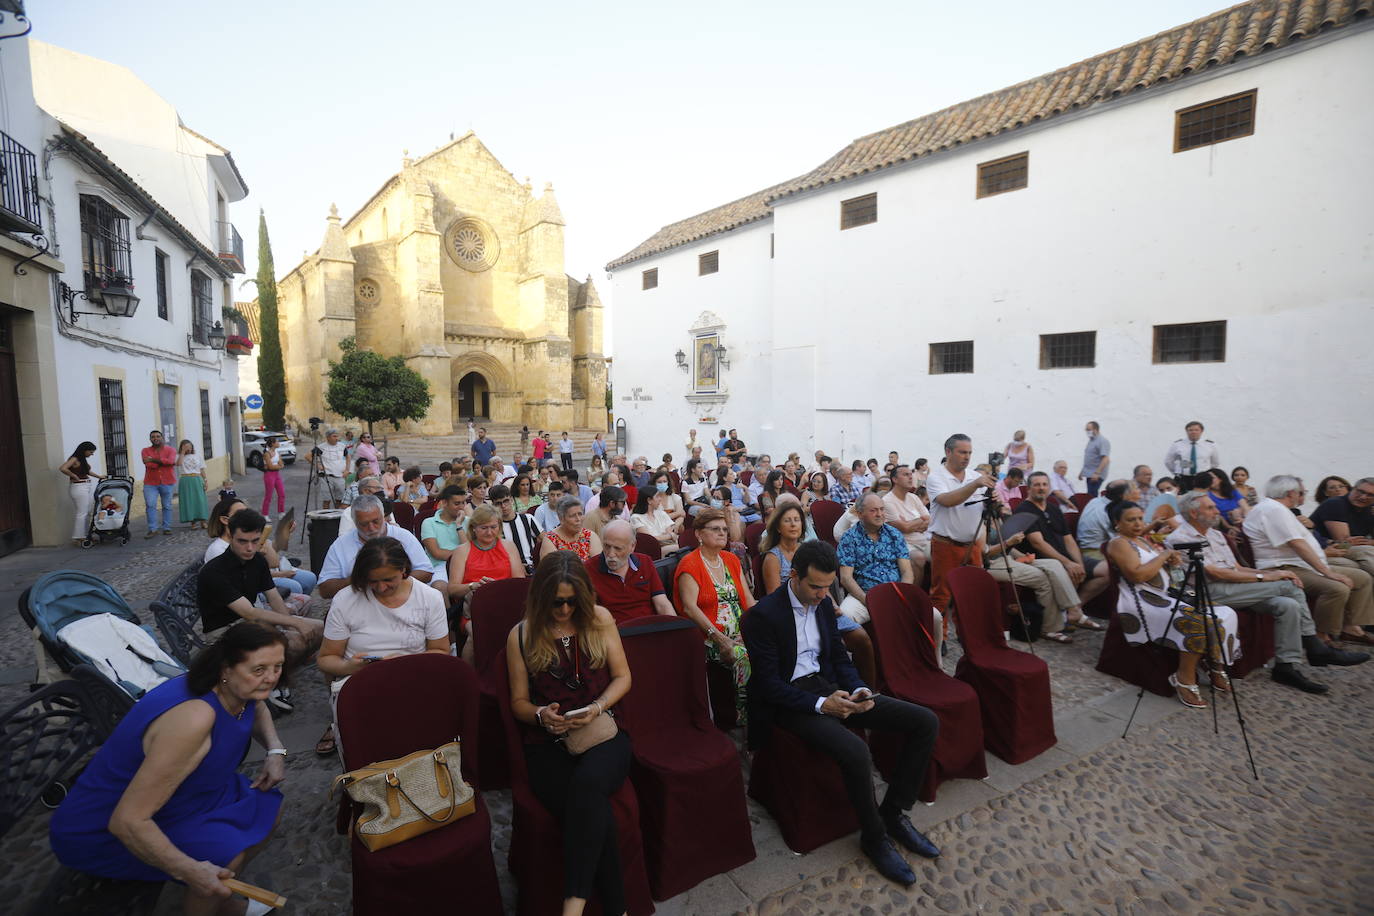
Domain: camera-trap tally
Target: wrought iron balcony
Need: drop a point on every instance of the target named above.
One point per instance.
(18, 188)
(230, 247)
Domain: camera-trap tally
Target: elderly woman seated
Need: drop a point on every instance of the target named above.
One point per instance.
(570, 533)
(162, 800)
(384, 613)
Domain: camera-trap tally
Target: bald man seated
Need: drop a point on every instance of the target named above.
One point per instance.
(626, 583)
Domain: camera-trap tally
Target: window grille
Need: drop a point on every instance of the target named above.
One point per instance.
(1215, 121)
(950, 357)
(1002, 175)
(1199, 342)
(650, 278)
(207, 448)
(112, 427)
(708, 263)
(1068, 351)
(105, 250)
(858, 211)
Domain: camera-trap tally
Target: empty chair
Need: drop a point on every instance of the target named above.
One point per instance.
(404, 514)
(382, 711)
(536, 843)
(909, 669)
(1013, 687)
(686, 773)
(824, 514)
(496, 608)
(648, 545)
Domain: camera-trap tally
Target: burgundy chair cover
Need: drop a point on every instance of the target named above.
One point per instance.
(803, 790)
(536, 843)
(1013, 687)
(687, 774)
(688, 536)
(676, 478)
(753, 532)
(1080, 500)
(746, 477)
(429, 479)
(646, 543)
(381, 720)
(909, 669)
(496, 608)
(404, 513)
(824, 514)
(1013, 502)
(1071, 521)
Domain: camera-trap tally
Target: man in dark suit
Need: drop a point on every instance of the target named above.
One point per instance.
(803, 681)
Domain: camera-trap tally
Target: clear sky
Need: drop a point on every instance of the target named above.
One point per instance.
(640, 114)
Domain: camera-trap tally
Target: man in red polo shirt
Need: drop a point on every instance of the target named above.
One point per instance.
(159, 477)
(626, 583)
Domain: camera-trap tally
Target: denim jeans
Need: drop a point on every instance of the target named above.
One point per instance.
(151, 494)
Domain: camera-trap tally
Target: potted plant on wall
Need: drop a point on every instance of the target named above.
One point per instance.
(238, 345)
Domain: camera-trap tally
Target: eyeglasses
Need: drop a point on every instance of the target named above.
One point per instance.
(563, 602)
(716, 529)
(1364, 494)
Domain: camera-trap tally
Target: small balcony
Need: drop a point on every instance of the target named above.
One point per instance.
(18, 188)
(230, 247)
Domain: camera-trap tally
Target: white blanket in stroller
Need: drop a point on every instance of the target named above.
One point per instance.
(122, 651)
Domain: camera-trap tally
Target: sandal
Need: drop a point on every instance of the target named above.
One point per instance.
(325, 746)
(1084, 622)
(1061, 637)
(1220, 680)
(1185, 691)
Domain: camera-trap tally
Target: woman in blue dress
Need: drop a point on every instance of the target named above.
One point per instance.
(162, 799)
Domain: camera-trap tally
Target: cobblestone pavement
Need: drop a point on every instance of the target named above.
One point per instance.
(1167, 820)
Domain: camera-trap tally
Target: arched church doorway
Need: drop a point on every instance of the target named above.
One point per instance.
(474, 397)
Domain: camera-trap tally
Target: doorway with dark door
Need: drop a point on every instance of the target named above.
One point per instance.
(474, 397)
(15, 532)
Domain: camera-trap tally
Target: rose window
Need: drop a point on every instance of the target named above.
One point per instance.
(472, 244)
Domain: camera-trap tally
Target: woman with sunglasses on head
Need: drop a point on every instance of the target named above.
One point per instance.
(567, 668)
(709, 588)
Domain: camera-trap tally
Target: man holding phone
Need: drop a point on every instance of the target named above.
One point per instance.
(804, 681)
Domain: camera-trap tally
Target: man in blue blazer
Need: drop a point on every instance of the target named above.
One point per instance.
(803, 681)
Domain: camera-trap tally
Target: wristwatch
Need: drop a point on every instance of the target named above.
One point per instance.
(276, 752)
(1259, 577)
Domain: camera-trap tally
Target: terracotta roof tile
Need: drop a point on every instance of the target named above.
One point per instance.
(1215, 40)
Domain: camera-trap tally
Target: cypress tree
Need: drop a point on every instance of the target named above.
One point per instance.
(271, 374)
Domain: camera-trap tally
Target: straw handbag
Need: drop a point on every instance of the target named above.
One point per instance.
(408, 796)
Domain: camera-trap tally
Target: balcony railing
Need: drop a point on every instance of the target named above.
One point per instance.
(18, 188)
(230, 247)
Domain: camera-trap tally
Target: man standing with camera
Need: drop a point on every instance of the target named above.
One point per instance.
(330, 464)
(953, 525)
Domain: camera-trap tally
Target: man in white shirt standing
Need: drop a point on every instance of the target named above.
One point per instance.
(953, 525)
(904, 511)
(333, 461)
(1190, 456)
(565, 452)
(1344, 592)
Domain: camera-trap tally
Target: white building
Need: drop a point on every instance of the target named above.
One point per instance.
(1177, 229)
(132, 200)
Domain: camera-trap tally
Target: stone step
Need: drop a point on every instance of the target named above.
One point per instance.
(428, 451)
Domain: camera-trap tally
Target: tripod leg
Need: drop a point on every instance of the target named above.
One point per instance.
(1214, 631)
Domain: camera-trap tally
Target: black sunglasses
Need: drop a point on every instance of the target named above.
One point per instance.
(560, 602)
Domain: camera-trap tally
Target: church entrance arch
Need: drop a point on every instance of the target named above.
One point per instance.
(474, 396)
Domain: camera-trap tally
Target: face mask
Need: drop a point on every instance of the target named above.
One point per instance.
(717, 504)
(662, 487)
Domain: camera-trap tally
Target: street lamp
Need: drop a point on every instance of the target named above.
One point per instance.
(681, 360)
(721, 356)
(215, 337)
(117, 299)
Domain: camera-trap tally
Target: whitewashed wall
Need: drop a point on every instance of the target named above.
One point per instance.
(1115, 233)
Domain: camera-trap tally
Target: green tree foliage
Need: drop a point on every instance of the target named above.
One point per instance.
(271, 374)
(369, 387)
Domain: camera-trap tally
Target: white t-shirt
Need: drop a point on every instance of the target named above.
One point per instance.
(958, 523)
(191, 464)
(656, 523)
(372, 628)
(332, 457)
(1270, 525)
(216, 547)
(908, 510)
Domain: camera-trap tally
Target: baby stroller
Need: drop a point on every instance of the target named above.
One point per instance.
(80, 619)
(110, 519)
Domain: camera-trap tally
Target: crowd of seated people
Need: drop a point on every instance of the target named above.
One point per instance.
(780, 611)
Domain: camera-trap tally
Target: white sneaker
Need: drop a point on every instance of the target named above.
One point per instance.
(280, 700)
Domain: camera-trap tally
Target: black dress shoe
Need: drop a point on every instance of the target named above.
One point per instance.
(1340, 657)
(900, 829)
(1290, 675)
(889, 861)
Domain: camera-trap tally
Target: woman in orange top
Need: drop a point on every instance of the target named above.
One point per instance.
(709, 588)
(486, 557)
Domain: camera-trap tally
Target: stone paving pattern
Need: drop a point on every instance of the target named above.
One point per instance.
(1166, 820)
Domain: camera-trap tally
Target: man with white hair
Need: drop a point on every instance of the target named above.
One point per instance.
(503, 473)
(368, 523)
(626, 583)
(1344, 593)
(331, 465)
(1276, 592)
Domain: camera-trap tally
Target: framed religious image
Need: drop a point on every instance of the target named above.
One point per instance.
(707, 372)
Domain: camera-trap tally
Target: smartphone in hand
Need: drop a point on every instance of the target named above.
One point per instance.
(575, 713)
(862, 694)
(370, 658)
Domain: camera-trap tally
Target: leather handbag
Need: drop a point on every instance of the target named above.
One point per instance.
(406, 797)
(597, 731)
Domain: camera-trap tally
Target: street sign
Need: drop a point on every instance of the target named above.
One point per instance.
(254, 401)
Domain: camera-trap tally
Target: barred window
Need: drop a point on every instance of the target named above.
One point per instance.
(708, 263)
(1011, 173)
(207, 449)
(162, 304)
(952, 356)
(112, 426)
(1068, 351)
(1200, 342)
(105, 247)
(1215, 121)
(858, 211)
(202, 304)
(650, 278)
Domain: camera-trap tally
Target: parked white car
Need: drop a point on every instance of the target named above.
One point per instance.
(254, 444)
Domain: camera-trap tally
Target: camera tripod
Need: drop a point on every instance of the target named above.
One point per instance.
(1196, 573)
(992, 521)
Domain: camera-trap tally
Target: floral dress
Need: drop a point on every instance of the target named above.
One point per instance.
(582, 546)
(1144, 610)
(727, 621)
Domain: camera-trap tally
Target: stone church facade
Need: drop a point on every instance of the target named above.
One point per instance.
(457, 267)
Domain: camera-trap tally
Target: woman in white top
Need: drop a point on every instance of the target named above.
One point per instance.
(694, 495)
(384, 613)
(77, 469)
(662, 481)
(191, 502)
(649, 517)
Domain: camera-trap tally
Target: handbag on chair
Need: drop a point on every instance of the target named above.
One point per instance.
(408, 796)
